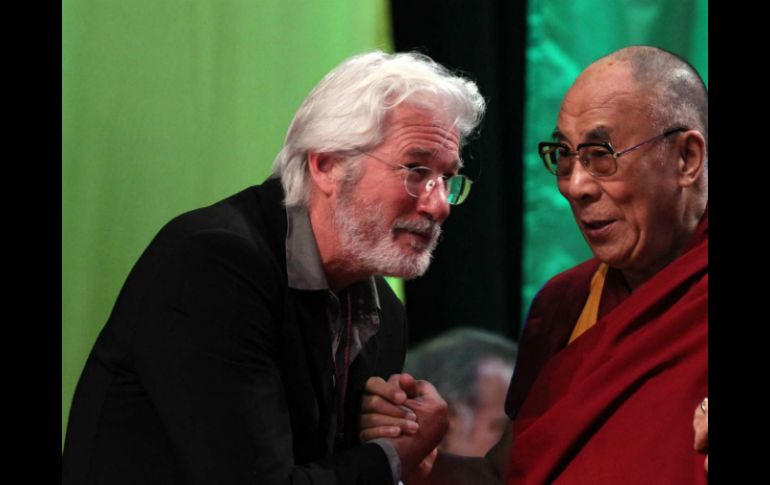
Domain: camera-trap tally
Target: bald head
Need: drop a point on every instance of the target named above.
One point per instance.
(675, 90)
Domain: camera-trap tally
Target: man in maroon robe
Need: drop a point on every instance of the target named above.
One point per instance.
(614, 355)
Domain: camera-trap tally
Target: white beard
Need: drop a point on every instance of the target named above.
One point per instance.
(369, 244)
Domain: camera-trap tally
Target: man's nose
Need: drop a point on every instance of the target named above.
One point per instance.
(433, 202)
(580, 185)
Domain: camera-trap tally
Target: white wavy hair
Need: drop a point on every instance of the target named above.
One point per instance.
(346, 111)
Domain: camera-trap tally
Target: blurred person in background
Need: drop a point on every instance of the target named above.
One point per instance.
(471, 369)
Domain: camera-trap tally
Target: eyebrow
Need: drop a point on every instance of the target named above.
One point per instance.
(597, 134)
(600, 133)
(418, 152)
(425, 154)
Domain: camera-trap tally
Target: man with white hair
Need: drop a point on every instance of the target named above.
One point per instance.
(239, 346)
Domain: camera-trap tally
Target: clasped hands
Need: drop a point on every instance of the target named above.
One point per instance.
(410, 414)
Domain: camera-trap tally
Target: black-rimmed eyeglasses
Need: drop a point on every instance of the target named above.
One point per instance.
(419, 180)
(599, 159)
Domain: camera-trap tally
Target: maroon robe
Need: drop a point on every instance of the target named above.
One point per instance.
(616, 405)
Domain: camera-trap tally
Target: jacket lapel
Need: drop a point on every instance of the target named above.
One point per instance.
(316, 341)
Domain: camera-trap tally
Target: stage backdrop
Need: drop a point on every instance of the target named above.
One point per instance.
(170, 105)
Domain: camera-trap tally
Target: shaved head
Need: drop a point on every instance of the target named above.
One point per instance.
(678, 93)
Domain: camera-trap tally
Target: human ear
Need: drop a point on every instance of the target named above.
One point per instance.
(324, 171)
(692, 157)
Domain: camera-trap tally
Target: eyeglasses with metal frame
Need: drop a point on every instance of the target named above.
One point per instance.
(419, 180)
(599, 159)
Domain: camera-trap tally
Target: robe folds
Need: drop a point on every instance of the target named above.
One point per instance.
(616, 405)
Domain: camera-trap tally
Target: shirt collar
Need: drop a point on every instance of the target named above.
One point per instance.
(303, 261)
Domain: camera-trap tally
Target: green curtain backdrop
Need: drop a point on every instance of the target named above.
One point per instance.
(169, 105)
(564, 36)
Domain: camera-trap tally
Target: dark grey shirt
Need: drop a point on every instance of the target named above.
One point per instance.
(305, 272)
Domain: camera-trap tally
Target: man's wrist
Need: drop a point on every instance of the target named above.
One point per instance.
(393, 459)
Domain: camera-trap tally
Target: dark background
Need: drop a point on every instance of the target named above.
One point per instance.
(475, 277)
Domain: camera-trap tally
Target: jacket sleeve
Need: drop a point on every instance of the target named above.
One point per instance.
(206, 352)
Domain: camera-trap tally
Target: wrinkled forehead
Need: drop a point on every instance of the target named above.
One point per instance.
(601, 105)
(410, 127)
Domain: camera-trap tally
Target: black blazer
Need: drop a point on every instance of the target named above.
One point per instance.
(212, 370)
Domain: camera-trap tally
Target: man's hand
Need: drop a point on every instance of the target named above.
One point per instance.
(383, 413)
(411, 414)
(433, 419)
(700, 423)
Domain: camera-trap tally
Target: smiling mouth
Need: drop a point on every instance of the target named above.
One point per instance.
(596, 225)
